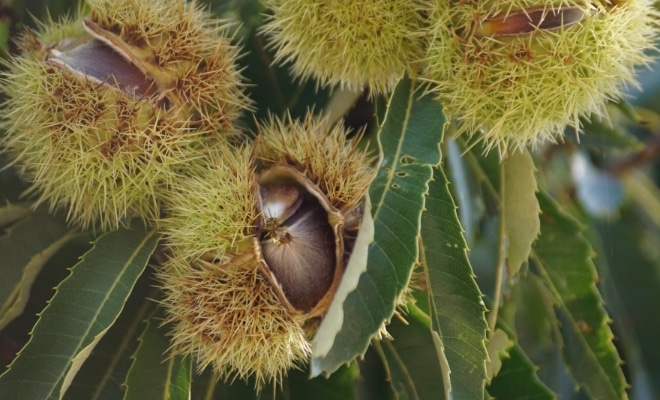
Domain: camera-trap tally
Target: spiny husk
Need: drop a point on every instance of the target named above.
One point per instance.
(220, 307)
(348, 43)
(319, 157)
(184, 50)
(106, 153)
(214, 209)
(219, 291)
(512, 90)
(225, 313)
(322, 152)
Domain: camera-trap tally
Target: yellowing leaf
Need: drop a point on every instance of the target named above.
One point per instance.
(25, 249)
(498, 346)
(334, 319)
(520, 208)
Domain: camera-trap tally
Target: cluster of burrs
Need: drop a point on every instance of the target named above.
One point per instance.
(510, 73)
(129, 110)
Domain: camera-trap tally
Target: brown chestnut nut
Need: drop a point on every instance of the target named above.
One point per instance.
(101, 110)
(297, 243)
(260, 238)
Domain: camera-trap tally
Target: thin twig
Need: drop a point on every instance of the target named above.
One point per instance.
(501, 260)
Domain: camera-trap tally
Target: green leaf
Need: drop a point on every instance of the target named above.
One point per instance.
(563, 257)
(12, 212)
(357, 265)
(600, 134)
(530, 307)
(338, 386)
(25, 249)
(104, 373)
(83, 308)
(498, 347)
(520, 208)
(414, 370)
(409, 147)
(464, 189)
(181, 378)
(457, 309)
(152, 376)
(633, 267)
(517, 379)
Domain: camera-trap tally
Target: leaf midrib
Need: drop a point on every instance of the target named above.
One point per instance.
(98, 311)
(399, 150)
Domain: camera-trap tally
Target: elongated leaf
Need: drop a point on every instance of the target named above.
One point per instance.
(104, 373)
(152, 374)
(517, 379)
(563, 257)
(13, 212)
(338, 386)
(520, 208)
(634, 274)
(85, 305)
(600, 134)
(357, 265)
(464, 189)
(498, 348)
(24, 250)
(457, 309)
(180, 380)
(409, 145)
(415, 372)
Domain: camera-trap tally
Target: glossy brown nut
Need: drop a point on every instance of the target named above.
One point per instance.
(525, 22)
(279, 201)
(99, 63)
(298, 244)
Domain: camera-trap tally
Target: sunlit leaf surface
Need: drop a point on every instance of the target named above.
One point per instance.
(457, 310)
(520, 208)
(409, 145)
